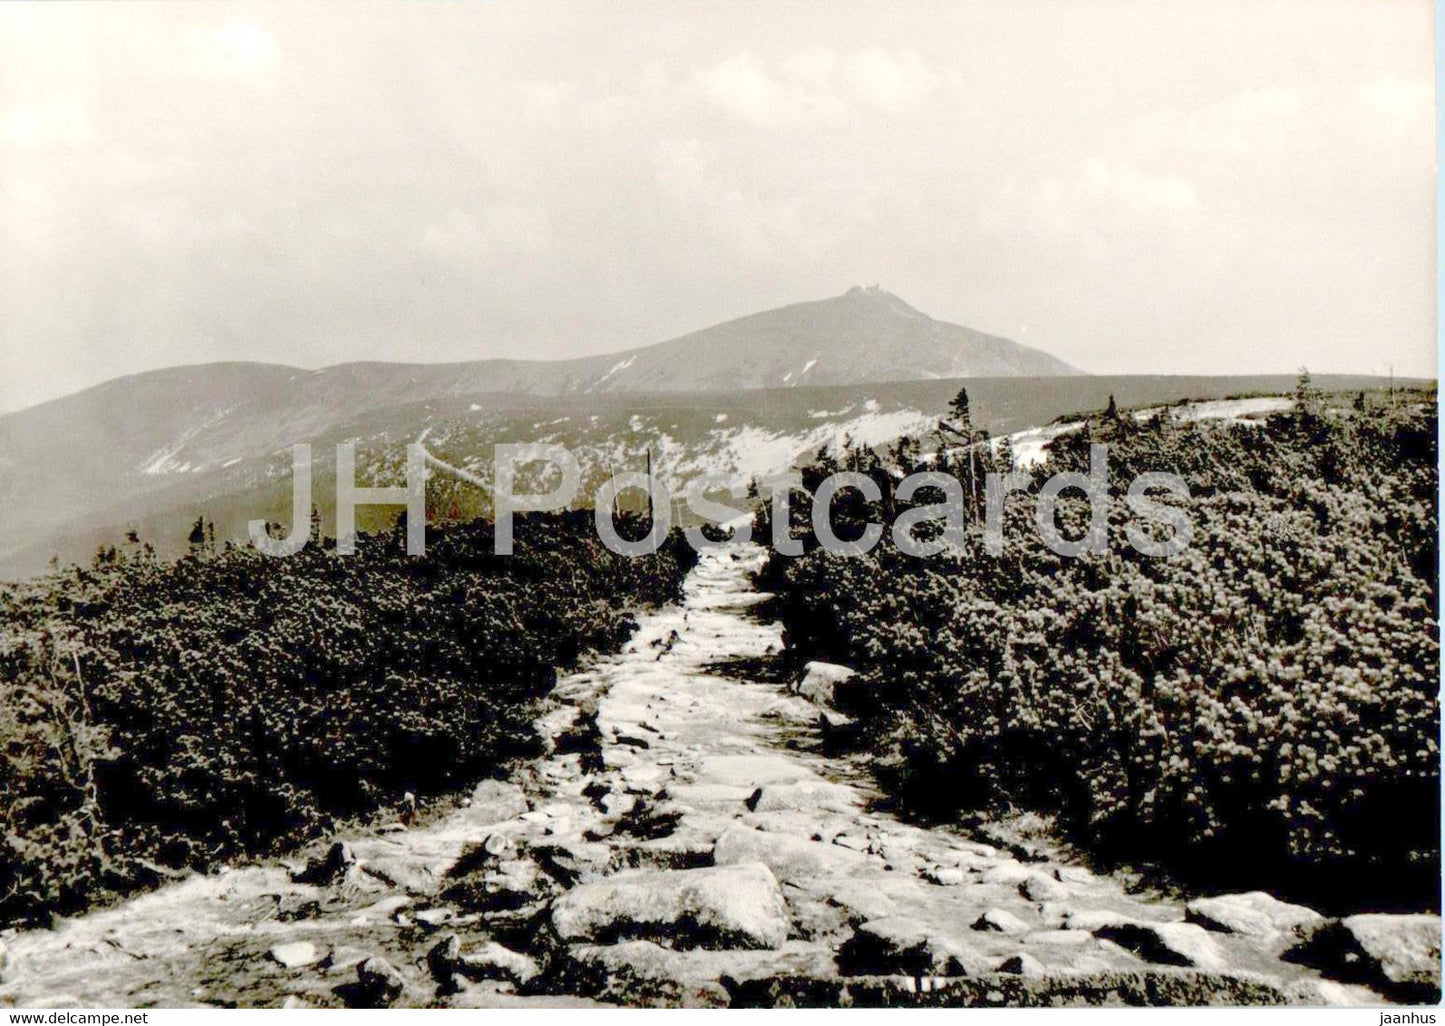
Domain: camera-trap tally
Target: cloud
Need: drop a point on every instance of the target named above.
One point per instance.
(799, 89)
(780, 230)
(891, 82)
(50, 122)
(1235, 126)
(817, 84)
(741, 86)
(496, 231)
(1101, 196)
(815, 64)
(232, 49)
(1136, 188)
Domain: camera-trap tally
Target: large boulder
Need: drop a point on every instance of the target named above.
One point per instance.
(296, 954)
(499, 885)
(378, 983)
(807, 795)
(1008, 873)
(945, 876)
(574, 861)
(1182, 944)
(791, 858)
(325, 868)
(1022, 965)
(442, 960)
(1253, 914)
(1038, 887)
(898, 945)
(998, 920)
(752, 770)
(494, 801)
(820, 682)
(1093, 919)
(492, 961)
(732, 906)
(402, 873)
(1398, 955)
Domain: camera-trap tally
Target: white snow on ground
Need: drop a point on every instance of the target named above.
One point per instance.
(1028, 446)
(874, 428)
(755, 452)
(163, 461)
(742, 450)
(1234, 410)
(619, 366)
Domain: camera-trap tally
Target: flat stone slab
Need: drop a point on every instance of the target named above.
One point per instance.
(1253, 914)
(737, 906)
(791, 858)
(1181, 944)
(708, 794)
(998, 920)
(752, 770)
(296, 954)
(897, 944)
(807, 795)
(1398, 955)
(820, 681)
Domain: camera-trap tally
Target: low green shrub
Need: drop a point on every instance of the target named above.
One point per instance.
(168, 715)
(1259, 710)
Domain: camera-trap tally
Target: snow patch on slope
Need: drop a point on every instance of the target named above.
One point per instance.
(620, 365)
(1236, 411)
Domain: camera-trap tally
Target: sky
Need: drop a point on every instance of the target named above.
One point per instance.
(1204, 187)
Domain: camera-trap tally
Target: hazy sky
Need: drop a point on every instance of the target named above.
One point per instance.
(1136, 187)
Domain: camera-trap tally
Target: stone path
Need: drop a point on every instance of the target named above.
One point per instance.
(683, 844)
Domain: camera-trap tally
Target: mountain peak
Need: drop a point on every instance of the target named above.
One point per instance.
(867, 334)
(870, 292)
(877, 296)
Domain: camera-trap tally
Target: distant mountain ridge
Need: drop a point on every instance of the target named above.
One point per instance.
(865, 336)
(155, 451)
(133, 435)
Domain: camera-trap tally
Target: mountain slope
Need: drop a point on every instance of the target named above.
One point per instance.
(79, 474)
(865, 335)
(133, 435)
(862, 337)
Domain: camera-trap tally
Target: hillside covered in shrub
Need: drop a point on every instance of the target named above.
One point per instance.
(158, 715)
(1259, 710)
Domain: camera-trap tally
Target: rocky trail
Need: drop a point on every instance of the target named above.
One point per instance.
(685, 842)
